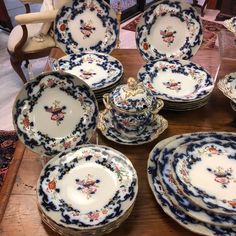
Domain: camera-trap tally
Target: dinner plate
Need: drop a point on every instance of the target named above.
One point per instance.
(176, 80)
(215, 188)
(73, 190)
(230, 24)
(175, 194)
(169, 29)
(88, 25)
(53, 112)
(228, 86)
(98, 70)
(148, 134)
(168, 207)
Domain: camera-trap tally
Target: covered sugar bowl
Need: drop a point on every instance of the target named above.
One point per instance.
(132, 107)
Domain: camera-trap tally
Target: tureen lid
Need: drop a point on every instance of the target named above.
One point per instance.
(132, 97)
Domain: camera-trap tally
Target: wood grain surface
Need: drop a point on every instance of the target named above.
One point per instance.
(147, 218)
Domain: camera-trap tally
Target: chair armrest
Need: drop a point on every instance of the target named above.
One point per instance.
(36, 17)
(31, 1)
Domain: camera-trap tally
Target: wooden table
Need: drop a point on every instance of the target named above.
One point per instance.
(22, 217)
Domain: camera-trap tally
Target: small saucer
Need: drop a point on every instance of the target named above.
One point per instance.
(151, 132)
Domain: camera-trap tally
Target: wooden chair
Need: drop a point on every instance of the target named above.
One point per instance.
(31, 39)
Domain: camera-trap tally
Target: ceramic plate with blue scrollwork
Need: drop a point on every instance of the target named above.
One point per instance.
(87, 25)
(88, 187)
(215, 188)
(98, 70)
(169, 29)
(54, 112)
(120, 135)
(228, 86)
(163, 198)
(230, 24)
(175, 194)
(176, 80)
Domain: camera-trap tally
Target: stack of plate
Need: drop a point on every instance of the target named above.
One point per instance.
(193, 178)
(101, 72)
(87, 32)
(73, 193)
(228, 86)
(181, 84)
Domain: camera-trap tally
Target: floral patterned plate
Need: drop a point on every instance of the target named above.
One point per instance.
(150, 132)
(54, 112)
(88, 25)
(176, 80)
(230, 24)
(228, 86)
(97, 70)
(215, 188)
(169, 29)
(169, 208)
(88, 187)
(175, 194)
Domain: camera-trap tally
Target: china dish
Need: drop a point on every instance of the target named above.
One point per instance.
(176, 80)
(88, 25)
(230, 24)
(149, 132)
(54, 112)
(228, 86)
(178, 206)
(72, 188)
(169, 29)
(98, 70)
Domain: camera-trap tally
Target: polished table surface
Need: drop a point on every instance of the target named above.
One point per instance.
(147, 218)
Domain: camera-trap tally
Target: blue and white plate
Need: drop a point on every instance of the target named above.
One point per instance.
(230, 24)
(88, 25)
(150, 132)
(87, 187)
(163, 198)
(98, 70)
(169, 29)
(176, 195)
(55, 111)
(215, 188)
(176, 80)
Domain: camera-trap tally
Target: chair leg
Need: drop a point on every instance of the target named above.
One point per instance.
(17, 67)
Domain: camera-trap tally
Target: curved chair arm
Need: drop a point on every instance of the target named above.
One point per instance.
(36, 17)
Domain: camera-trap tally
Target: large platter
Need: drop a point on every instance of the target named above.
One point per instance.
(174, 192)
(169, 29)
(87, 187)
(54, 112)
(163, 198)
(215, 189)
(98, 70)
(176, 80)
(87, 25)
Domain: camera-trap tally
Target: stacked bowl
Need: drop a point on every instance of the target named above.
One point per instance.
(167, 36)
(193, 178)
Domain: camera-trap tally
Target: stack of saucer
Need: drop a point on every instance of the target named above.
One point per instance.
(193, 178)
(181, 84)
(72, 192)
(101, 72)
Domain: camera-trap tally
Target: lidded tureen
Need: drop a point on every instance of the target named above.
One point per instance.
(132, 106)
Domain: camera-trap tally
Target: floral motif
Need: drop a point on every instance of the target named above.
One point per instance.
(168, 35)
(173, 85)
(57, 112)
(87, 74)
(87, 28)
(88, 186)
(211, 150)
(222, 176)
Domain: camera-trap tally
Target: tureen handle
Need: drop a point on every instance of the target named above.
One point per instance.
(106, 101)
(132, 83)
(158, 106)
